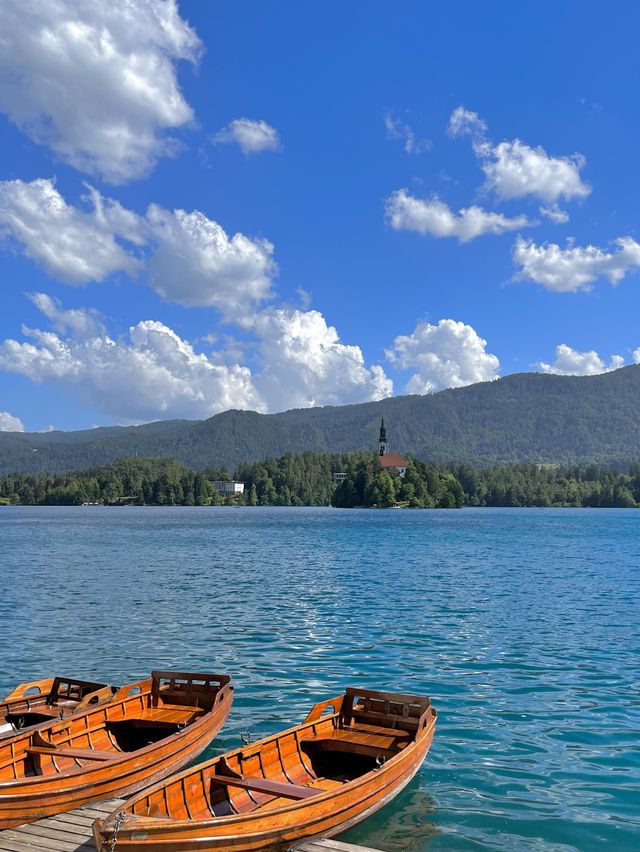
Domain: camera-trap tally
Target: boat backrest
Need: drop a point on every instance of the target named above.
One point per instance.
(69, 689)
(189, 688)
(385, 709)
(31, 689)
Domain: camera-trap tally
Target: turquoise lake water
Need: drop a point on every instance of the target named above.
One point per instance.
(522, 625)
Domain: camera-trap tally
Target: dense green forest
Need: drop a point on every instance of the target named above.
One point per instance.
(522, 418)
(307, 480)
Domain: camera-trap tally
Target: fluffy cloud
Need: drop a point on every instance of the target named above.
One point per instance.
(9, 423)
(73, 245)
(195, 263)
(189, 258)
(463, 122)
(81, 322)
(432, 216)
(96, 82)
(397, 129)
(569, 362)
(575, 267)
(251, 136)
(447, 355)
(305, 364)
(514, 169)
(155, 374)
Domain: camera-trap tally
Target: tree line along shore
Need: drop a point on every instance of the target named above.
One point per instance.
(307, 479)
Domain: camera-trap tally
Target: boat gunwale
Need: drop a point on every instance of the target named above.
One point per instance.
(96, 772)
(138, 821)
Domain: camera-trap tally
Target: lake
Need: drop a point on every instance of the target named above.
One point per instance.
(521, 624)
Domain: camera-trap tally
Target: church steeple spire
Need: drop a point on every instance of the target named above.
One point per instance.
(382, 440)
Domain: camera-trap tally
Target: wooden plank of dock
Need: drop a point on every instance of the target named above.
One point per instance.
(68, 832)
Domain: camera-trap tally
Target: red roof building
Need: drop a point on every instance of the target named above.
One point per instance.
(393, 460)
(389, 460)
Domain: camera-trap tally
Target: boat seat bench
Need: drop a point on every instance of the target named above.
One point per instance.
(41, 711)
(263, 785)
(80, 753)
(171, 714)
(368, 742)
(184, 708)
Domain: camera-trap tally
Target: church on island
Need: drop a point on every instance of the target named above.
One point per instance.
(385, 458)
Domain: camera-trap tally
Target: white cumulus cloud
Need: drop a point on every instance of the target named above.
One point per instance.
(154, 374)
(73, 245)
(447, 355)
(304, 363)
(195, 262)
(9, 423)
(81, 322)
(433, 216)
(514, 169)
(188, 257)
(570, 362)
(575, 267)
(96, 82)
(252, 136)
(298, 361)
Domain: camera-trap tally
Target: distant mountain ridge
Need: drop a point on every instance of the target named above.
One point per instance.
(524, 417)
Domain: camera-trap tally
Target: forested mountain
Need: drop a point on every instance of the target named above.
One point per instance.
(525, 417)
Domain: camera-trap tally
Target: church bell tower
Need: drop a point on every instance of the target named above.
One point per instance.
(382, 440)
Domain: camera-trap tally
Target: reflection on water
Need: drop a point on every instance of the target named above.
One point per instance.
(521, 624)
(406, 825)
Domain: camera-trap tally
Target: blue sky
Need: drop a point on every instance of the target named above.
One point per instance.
(207, 205)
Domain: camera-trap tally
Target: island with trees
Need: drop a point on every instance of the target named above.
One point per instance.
(309, 479)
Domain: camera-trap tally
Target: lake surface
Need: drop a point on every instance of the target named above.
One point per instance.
(523, 626)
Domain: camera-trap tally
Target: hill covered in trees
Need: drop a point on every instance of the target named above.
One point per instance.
(522, 418)
(306, 480)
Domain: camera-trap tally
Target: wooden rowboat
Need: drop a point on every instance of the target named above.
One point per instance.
(350, 756)
(151, 729)
(39, 701)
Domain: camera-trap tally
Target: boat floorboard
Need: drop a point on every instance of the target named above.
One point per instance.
(71, 832)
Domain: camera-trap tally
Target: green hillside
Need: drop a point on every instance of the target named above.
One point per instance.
(526, 417)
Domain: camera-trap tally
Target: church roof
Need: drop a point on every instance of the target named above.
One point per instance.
(392, 460)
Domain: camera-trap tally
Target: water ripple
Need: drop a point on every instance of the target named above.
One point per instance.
(522, 625)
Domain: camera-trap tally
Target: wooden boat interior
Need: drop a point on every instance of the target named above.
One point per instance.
(341, 740)
(42, 700)
(140, 715)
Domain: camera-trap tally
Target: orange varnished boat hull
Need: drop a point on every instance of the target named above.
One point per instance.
(26, 799)
(267, 828)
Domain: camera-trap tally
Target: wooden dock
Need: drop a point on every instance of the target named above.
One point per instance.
(71, 832)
